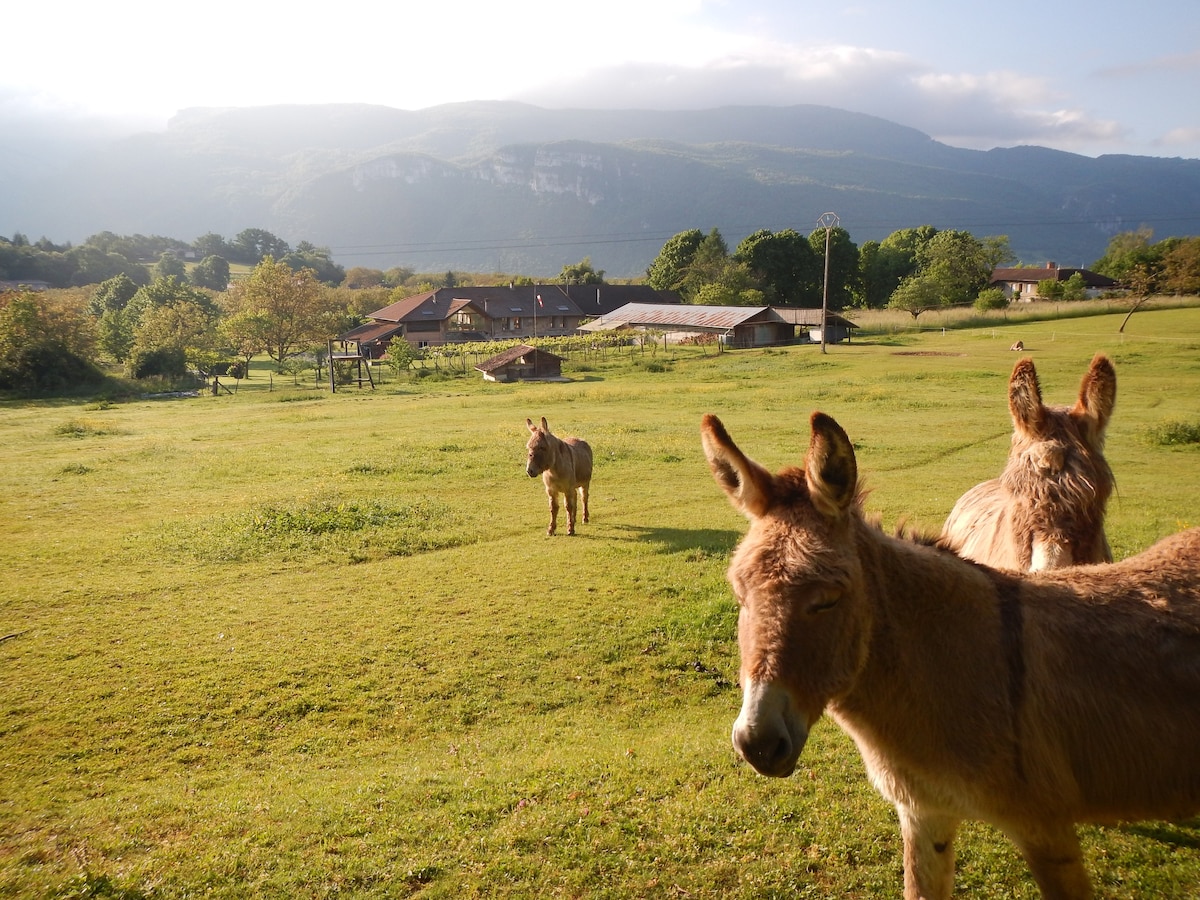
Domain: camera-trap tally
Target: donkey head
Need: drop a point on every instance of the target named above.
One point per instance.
(1056, 470)
(803, 620)
(539, 450)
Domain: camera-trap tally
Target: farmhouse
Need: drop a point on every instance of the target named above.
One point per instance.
(462, 314)
(1021, 284)
(522, 363)
(734, 326)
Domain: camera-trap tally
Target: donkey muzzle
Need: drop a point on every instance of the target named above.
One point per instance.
(769, 734)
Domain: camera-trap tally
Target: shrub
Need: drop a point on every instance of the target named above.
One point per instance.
(165, 361)
(45, 345)
(1174, 433)
(46, 368)
(990, 298)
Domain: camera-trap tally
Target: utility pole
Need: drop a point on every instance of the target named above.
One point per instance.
(828, 221)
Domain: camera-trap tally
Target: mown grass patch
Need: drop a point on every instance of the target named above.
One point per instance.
(82, 428)
(352, 530)
(1174, 434)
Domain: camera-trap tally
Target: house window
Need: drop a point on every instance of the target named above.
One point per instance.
(516, 323)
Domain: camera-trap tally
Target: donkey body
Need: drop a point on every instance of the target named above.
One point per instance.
(1046, 510)
(565, 465)
(1030, 701)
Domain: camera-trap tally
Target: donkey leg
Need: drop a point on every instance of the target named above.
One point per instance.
(553, 512)
(1056, 861)
(583, 490)
(928, 853)
(571, 501)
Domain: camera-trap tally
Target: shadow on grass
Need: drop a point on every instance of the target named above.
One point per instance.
(710, 541)
(1174, 834)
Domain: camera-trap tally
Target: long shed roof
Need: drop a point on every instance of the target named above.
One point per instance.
(709, 318)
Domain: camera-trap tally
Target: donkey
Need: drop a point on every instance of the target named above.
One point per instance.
(1030, 701)
(1046, 510)
(565, 465)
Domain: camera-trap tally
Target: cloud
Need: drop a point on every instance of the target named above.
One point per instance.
(1175, 63)
(1180, 137)
(999, 108)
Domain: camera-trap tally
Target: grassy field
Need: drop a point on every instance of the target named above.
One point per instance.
(288, 643)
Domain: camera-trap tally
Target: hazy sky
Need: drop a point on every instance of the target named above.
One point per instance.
(1090, 77)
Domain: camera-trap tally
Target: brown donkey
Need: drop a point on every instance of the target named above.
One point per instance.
(1046, 510)
(1028, 701)
(565, 465)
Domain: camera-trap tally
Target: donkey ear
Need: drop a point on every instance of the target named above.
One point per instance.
(532, 427)
(1097, 395)
(545, 427)
(830, 467)
(750, 487)
(1025, 399)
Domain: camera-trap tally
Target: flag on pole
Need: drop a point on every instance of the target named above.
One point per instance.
(539, 299)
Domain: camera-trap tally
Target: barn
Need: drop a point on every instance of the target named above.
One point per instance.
(522, 363)
(735, 326)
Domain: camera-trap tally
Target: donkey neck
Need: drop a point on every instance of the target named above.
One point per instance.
(945, 635)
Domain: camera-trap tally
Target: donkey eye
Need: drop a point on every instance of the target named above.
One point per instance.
(825, 600)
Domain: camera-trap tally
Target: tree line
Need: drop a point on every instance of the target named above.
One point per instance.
(106, 255)
(167, 319)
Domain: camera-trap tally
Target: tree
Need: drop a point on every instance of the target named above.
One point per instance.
(784, 266)
(92, 266)
(733, 285)
(952, 268)
(254, 244)
(165, 326)
(916, 295)
(290, 310)
(1181, 267)
(113, 294)
(1128, 252)
(881, 268)
(115, 333)
(990, 298)
(45, 344)
(1050, 289)
(707, 265)
(581, 273)
(359, 277)
(168, 292)
(212, 272)
(1074, 288)
(170, 265)
(667, 271)
(212, 245)
(319, 260)
(843, 266)
(177, 331)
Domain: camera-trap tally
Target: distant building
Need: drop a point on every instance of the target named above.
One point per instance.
(734, 326)
(522, 363)
(1020, 285)
(462, 314)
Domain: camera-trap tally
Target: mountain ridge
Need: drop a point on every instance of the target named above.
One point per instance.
(501, 186)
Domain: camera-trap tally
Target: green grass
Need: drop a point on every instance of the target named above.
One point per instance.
(259, 647)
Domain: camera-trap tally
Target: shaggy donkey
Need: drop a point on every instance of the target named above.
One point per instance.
(1031, 701)
(1046, 510)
